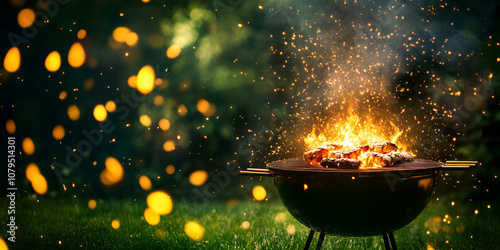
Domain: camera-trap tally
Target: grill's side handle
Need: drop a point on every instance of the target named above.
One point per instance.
(459, 164)
(256, 172)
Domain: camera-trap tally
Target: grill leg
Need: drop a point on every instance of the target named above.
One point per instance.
(320, 241)
(309, 240)
(393, 241)
(386, 242)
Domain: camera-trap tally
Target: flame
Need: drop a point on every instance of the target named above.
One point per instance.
(354, 131)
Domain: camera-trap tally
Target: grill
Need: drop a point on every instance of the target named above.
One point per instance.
(355, 202)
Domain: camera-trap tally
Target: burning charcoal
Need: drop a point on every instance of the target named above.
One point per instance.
(335, 154)
(351, 153)
(314, 156)
(383, 147)
(331, 146)
(379, 159)
(406, 156)
(396, 158)
(340, 163)
(365, 148)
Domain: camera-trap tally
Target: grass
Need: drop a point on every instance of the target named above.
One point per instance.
(45, 222)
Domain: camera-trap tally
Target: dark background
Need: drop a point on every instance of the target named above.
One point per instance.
(262, 112)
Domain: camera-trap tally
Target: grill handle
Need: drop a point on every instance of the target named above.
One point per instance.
(256, 172)
(459, 164)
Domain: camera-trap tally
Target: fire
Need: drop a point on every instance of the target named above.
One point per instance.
(352, 132)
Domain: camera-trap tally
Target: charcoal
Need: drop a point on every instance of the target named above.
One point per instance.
(382, 160)
(383, 147)
(314, 156)
(341, 163)
(351, 153)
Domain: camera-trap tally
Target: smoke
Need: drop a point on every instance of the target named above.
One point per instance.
(383, 60)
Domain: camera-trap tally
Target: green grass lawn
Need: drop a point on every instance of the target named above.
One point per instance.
(45, 222)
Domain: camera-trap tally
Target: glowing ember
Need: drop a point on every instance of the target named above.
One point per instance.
(194, 230)
(259, 193)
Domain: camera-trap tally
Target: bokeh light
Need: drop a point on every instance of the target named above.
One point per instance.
(194, 230)
(169, 146)
(151, 217)
(146, 79)
(145, 120)
(164, 124)
(28, 146)
(25, 18)
(205, 107)
(63, 95)
(58, 132)
(198, 178)
(3, 245)
(39, 184)
(53, 61)
(158, 100)
(170, 169)
(92, 204)
(12, 60)
(31, 171)
(259, 193)
(112, 173)
(76, 55)
(245, 225)
(10, 126)
(73, 112)
(131, 39)
(110, 106)
(290, 229)
(145, 182)
(81, 34)
(100, 113)
(173, 51)
(120, 34)
(182, 110)
(160, 202)
(115, 224)
(132, 81)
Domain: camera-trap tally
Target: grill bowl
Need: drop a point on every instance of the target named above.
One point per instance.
(354, 202)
